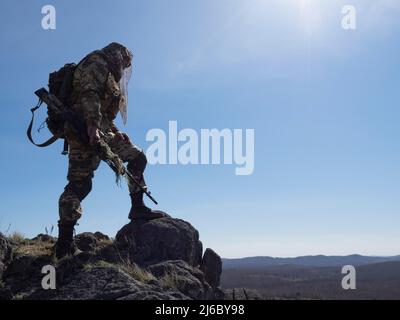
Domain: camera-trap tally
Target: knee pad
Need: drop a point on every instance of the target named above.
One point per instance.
(69, 207)
(138, 164)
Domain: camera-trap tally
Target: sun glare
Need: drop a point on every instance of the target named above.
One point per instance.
(305, 12)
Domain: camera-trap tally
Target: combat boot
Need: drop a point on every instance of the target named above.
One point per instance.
(140, 211)
(65, 243)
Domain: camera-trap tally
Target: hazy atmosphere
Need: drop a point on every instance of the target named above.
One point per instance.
(323, 103)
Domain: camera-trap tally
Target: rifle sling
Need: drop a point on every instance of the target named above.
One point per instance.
(29, 131)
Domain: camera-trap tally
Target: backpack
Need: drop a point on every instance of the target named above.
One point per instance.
(60, 84)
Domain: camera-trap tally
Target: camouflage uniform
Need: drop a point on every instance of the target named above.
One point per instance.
(98, 94)
(82, 164)
(95, 96)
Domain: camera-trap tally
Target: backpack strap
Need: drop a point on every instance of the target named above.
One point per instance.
(29, 131)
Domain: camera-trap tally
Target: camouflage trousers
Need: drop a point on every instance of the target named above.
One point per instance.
(82, 164)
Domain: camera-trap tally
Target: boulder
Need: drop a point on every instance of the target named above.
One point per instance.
(25, 272)
(86, 241)
(152, 241)
(181, 276)
(109, 253)
(211, 265)
(44, 237)
(101, 236)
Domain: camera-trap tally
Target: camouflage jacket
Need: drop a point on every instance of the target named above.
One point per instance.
(95, 93)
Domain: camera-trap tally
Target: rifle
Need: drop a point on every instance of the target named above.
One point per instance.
(101, 148)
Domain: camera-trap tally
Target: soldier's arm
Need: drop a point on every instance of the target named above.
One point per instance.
(118, 134)
(93, 80)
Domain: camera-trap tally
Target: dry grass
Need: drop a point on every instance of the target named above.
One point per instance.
(18, 296)
(17, 237)
(30, 247)
(105, 242)
(101, 264)
(135, 271)
(171, 280)
(130, 268)
(35, 248)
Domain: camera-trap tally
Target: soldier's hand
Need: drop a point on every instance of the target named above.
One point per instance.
(121, 136)
(94, 134)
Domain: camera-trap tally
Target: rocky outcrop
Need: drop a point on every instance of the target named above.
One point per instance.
(211, 266)
(180, 275)
(5, 253)
(44, 237)
(24, 273)
(149, 242)
(106, 282)
(154, 259)
(86, 241)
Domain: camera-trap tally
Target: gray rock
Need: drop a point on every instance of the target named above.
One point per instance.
(153, 241)
(211, 265)
(5, 294)
(44, 237)
(24, 272)
(86, 241)
(5, 253)
(109, 253)
(102, 283)
(101, 236)
(185, 278)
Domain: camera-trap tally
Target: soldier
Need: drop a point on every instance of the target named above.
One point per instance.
(99, 92)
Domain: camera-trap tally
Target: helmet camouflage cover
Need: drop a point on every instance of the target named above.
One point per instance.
(119, 59)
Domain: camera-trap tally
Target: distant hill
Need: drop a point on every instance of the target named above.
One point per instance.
(311, 261)
(374, 281)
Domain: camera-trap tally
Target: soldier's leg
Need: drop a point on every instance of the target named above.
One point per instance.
(136, 159)
(82, 164)
(70, 200)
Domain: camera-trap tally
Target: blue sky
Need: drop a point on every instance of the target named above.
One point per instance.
(323, 103)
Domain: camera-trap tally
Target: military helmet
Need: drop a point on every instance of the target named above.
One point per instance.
(119, 59)
(118, 56)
